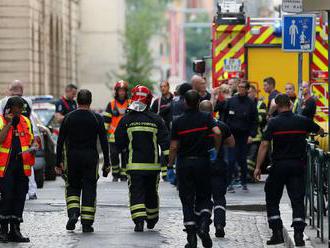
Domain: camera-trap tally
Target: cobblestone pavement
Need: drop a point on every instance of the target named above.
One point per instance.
(45, 221)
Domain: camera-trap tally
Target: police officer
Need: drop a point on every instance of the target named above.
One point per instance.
(115, 110)
(142, 132)
(67, 103)
(218, 172)
(254, 143)
(79, 131)
(241, 116)
(189, 146)
(287, 132)
(16, 160)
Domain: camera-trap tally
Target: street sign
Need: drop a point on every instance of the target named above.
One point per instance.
(292, 6)
(298, 33)
(316, 5)
(232, 65)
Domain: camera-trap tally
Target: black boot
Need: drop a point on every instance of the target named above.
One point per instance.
(15, 234)
(4, 233)
(299, 238)
(204, 235)
(139, 226)
(87, 228)
(115, 179)
(219, 231)
(277, 237)
(151, 224)
(191, 238)
(71, 224)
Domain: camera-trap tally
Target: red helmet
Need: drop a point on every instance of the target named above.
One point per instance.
(121, 85)
(141, 98)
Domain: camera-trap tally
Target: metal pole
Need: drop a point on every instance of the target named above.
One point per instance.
(300, 70)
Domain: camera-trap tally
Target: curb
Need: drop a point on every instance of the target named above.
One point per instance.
(288, 232)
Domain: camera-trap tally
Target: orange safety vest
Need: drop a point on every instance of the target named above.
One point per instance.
(26, 138)
(121, 108)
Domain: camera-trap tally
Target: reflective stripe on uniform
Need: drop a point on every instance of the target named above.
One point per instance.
(137, 206)
(73, 205)
(298, 220)
(189, 223)
(152, 211)
(139, 214)
(153, 216)
(73, 198)
(4, 150)
(87, 217)
(220, 207)
(275, 217)
(143, 166)
(88, 209)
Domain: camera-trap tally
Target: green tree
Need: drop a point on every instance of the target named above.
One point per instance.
(144, 19)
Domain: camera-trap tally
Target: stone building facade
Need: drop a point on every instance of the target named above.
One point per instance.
(38, 44)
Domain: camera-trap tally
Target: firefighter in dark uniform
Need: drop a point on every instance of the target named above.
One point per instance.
(254, 143)
(287, 132)
(16, 161)
(79, 131)
(189, 146)
(142, 132)
(115, 110)
(67, 103)
(218, 172)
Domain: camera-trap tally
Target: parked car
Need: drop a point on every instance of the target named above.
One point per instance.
(40, 164)
(44, 108)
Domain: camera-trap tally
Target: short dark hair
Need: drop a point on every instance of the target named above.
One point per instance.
(84, 97)
(271, 81)
(71, 87)
(282, 100)
(184, 88)
(165, 82)
(15, 101)
(192, 99)
(247, 84)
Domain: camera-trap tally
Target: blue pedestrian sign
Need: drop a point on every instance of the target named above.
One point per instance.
(298, 33)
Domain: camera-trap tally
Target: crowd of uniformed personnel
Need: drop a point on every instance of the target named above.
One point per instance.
(205, 143)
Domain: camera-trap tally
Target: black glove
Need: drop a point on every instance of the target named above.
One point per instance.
(106, 170)
(15, 121)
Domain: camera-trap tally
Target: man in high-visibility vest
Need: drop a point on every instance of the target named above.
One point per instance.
(290, 90)
(16, 160)
(142, 132)
(115, 110)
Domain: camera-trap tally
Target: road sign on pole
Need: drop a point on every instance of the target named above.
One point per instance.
(298, 33)
(292, 6)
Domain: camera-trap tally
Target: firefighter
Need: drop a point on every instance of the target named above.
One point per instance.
(290, 91)
(254, 143)
(287, 132)
(142, 132)
(189, 147)
(79, 131)
(115, 110)
(16, 161)
(66, 103)
(269, 88)
(200, 84)
(218, 172)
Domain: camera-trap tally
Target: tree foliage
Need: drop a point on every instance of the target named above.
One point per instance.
(143, 20)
